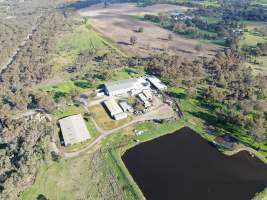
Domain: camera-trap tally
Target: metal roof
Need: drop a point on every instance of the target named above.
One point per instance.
(113, 107)
(148, 94)
(73, 129)
(157, 83)
(121, 85)
(125, 106)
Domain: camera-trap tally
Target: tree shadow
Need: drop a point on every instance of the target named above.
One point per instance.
(123, 43)
(177, 95)
(41, 197)
(80, 4)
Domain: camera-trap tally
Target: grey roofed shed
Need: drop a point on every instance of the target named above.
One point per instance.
(74, 130)
(120, 85)
(113, 107)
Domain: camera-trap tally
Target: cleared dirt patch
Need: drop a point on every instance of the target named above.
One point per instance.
(118, 22)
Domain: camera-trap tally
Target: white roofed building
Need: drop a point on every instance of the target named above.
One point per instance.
(126, 87)
(74, 129)
(126, 107)
(156, 83)
(114, 109)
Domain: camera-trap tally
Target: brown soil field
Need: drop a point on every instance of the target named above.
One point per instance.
(119, 22)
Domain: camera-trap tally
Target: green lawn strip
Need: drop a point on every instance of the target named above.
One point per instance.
(91, 127)
(154, 130)
(80, 40)
(67, 87)
(127, 73)
(68, 111)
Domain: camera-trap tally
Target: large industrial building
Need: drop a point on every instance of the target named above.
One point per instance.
(74, 130)
(114, 109)
(127, 87)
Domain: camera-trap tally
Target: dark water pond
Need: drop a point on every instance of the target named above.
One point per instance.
(183, 166)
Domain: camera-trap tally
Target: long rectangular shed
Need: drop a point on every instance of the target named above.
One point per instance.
(156, 83)
(112, 107)
(120, 87)
(74, 130)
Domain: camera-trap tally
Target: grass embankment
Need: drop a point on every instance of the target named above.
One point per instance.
(261, 196)
(130, 188)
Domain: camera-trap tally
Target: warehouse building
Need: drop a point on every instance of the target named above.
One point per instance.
(114, 109)
(74, 130)
(156, 83)
(126, 87)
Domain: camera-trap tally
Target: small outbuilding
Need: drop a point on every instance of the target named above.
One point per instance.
(74, 130)
(114, 109)
(125, 106)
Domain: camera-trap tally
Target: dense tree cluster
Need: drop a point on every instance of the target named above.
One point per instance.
(23, 146)
(24, 139)
(175, 70)
(242, 94)
(238, 95)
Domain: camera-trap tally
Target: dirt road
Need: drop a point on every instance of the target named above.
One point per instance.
(119, 21)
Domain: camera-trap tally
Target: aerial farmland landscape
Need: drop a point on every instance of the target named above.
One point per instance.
(116, 100)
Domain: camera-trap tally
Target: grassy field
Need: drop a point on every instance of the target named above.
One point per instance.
(86, 177)
(67, 86)
(127, 73)
(104, 120)
(69, 110)
(261, 66)
(82, 39)
(251, 39)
